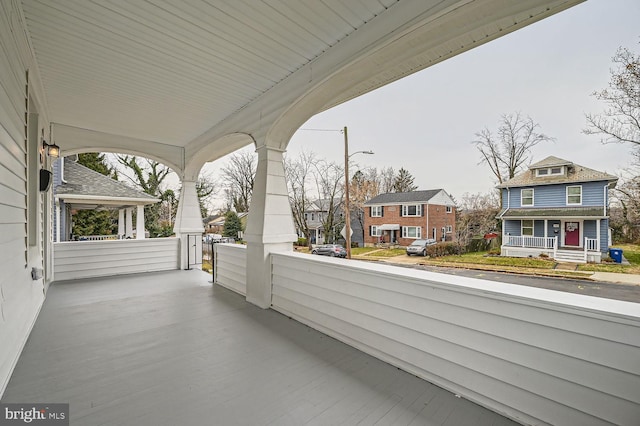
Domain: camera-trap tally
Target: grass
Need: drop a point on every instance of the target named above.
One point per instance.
(362, 251)
(480, 258)
(630, 251)
(388, 252)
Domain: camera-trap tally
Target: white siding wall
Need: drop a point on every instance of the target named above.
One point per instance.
(20, 296)
(535, 355)
(86, 259)
(231, 266)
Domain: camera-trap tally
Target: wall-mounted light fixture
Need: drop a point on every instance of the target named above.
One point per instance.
(52, 150)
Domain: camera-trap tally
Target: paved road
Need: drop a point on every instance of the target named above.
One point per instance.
(629, 293)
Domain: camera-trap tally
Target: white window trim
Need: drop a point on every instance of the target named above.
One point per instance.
(449, 209)
(533, 227)
(574, 195)
(374, 231)
(405, 210)
(533, 197)
(449, 229)
(376, 211)
(405, 232)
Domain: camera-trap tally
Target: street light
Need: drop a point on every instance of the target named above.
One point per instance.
(347, 215)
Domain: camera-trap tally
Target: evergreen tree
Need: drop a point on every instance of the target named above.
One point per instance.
(404, 181)
(94, 222)
(232, 225)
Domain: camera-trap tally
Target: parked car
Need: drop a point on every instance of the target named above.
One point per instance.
(420, 247)
(333, 250)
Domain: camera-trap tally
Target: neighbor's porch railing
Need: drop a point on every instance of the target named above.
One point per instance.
(97, 237)
(532, 242)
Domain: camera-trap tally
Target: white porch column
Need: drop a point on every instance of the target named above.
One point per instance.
(120, 224)
(128, 233)
(270, 224)
(599, 245)
(189, 222)
(140, 223)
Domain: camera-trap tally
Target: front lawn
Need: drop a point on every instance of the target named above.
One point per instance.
(630, 251)
(480, 258)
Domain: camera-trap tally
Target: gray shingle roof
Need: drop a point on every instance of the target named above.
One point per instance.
(404, 197)
(554, 212)
(577, 173)
(81, 180)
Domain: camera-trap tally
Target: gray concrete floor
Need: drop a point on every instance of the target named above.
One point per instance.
(171, 349)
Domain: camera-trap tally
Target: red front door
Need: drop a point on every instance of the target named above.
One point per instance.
(572, 234)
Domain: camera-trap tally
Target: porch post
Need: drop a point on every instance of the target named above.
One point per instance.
(269, 226)
(57, 240)
(120, 224)
(598, 235)
(129, 222)
(546, 223)
(140, 223)
(188, 223)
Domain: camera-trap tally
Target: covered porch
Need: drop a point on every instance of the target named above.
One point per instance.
(571, 238)
(170, 348)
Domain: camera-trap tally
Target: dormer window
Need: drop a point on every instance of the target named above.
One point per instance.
(550, 171)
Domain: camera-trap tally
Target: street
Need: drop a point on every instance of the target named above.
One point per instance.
(630, 293)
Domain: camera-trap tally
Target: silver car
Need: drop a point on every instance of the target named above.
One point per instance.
(420, 247)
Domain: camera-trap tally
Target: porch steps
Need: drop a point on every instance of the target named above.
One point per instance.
(570, 256)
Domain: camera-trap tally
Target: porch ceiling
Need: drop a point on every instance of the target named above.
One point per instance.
(184, 74)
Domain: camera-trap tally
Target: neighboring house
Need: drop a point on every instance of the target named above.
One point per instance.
(403, 217)
(557, 208)
(77, 187)
(216, 224)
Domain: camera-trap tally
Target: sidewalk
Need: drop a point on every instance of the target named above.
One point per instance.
(610, 277)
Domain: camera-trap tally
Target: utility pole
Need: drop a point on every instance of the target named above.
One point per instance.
(347, 215)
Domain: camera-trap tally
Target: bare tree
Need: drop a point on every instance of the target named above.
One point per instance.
(238, 177)
(387, 180)
(298, 173)
(329, 182)
(620, 122)
(509, 148)
(362, 187)
(476, 216)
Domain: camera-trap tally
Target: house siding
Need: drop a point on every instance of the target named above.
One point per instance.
(21, 227)
(556, 195)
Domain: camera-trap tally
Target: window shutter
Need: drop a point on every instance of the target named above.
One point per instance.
(381, 211)
(370, 214)
(370, 233)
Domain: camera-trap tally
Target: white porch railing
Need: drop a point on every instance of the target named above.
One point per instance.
(535, 355)
(84, 259)
(591, 244)
(532, 242)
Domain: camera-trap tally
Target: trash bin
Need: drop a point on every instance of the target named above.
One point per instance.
(616, 255)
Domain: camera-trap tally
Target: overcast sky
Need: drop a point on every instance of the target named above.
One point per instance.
(426, 122)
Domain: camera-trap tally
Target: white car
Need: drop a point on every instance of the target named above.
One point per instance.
(420, 247)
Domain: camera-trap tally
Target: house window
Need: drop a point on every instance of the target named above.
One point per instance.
(376, 211)
(550, 171)
(411, 232)
(574, 194)
(449, 229)
(412, 210)
(313, 217)
(375, 232)
(449, 209)
(527, 227)
(526, 197)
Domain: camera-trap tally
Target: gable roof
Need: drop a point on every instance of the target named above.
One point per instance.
(82, 183)
(576, 173)
(404, 197)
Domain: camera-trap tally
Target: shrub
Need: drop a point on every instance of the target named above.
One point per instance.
(302, 242)
(494, 252)
(544, 256)
(443, 249)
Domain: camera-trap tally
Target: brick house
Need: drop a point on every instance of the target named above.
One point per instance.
(403, 217)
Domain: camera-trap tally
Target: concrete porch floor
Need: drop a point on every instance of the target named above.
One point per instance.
(171, 349)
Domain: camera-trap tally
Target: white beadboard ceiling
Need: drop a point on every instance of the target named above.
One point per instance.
(169, 71)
